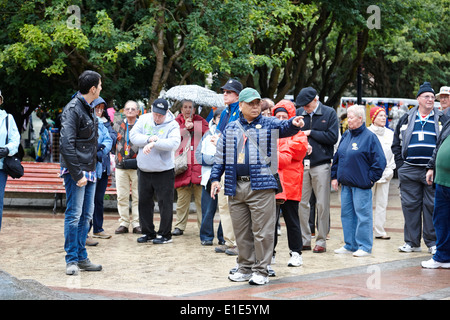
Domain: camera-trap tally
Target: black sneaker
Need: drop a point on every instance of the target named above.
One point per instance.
(145, 238)
(207, 243)
(162, 240)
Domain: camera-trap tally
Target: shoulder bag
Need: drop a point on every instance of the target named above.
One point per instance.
(11, 164)
(265, 157)
(181, 160)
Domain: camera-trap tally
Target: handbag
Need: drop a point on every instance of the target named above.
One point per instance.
(11, 164)
(181, 160)
(130, 163)
(266, 158)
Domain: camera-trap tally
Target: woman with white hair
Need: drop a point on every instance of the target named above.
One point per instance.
(358, 163)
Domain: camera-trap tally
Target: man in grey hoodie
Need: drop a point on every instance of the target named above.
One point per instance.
(157, 135)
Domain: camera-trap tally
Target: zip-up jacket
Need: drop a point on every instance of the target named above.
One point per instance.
(359, 160)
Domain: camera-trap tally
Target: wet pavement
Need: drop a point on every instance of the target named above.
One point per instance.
(184, 271)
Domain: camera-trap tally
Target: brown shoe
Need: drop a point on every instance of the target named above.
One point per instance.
(232, 251)
(101, 235)
(137, 230)
(91, 242)
(319, 249)
(121, 230)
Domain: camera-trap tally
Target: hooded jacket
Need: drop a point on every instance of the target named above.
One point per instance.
(291, 151)
(359, 160)
(78, 137)
(161, 157)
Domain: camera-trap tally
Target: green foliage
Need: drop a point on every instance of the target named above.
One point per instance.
(276, 46)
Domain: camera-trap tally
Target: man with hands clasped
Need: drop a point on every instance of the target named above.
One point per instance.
(157, 135)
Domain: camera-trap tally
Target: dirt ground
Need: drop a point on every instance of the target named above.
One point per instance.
(32, 247)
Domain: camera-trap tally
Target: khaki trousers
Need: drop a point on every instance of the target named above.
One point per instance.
(184, 195)
(225, 218)
(317, 179)
(127, 179)
(253, 216)
(380, 196)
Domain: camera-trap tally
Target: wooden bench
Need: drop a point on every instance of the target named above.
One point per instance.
(42, 178)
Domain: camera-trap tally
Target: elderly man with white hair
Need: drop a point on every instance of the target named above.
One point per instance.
(358, 163)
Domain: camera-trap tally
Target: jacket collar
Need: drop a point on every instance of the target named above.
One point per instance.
(318, 110)
(357, 131)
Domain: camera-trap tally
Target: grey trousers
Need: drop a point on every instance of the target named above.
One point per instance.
(417, 199)
(318, 179)
(253, 218)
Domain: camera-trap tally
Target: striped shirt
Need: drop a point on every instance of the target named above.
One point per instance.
(423, 141)
(90, 175)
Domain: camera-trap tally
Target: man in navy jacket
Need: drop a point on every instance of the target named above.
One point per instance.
(322, 129)
(250, 183)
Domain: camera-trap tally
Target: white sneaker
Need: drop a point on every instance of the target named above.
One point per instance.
(72, 269)
(296, 260)
(257, 279)
(433, 264)
(234, 269)
(342, 250)
(361, 253)
(407, 248)
(240, 277)
(270, 271)
(432, 250)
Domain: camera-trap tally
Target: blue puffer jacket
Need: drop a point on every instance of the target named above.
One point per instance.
(265, 131)
(359, 160)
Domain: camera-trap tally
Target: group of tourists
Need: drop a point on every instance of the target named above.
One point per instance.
(254, 162)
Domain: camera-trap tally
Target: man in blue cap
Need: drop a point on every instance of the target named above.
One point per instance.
(246, 153)
(231, 90)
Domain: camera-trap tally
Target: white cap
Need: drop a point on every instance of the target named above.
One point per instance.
(444, 90)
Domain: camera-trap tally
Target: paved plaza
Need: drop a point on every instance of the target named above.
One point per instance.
(32, 265)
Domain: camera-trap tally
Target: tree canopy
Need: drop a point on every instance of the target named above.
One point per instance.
(141, 47)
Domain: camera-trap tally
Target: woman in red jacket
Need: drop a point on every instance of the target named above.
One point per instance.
(291, 152)
(192, 128)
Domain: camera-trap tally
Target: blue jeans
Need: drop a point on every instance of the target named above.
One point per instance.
(3, 178)
(356, 217)
(78, 216)
(97, 219)
(441, 222)
(209, 206)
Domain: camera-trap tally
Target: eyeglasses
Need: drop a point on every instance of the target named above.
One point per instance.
(429, 97)
(444, 97)
(130, 109)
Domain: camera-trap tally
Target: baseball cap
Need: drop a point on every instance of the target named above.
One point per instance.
(444, 90)
(233, 85)
(305, 96)
(160, 106)
(248, 95)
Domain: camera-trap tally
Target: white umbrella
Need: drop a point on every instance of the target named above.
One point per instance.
(199, 95)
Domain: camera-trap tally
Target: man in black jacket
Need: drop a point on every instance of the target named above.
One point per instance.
(322, 129)
(78, 148)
